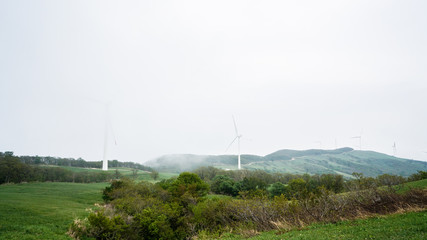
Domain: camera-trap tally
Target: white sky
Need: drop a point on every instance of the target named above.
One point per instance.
(296, 75)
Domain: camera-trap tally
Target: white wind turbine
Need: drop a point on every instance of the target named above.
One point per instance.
(107, 127)
(238, 136)
(360, 139)
(394, 149)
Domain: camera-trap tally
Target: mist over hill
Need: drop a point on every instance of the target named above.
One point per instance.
(342, 161)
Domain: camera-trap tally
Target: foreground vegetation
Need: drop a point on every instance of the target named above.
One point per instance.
(179, 209)
(44, 210)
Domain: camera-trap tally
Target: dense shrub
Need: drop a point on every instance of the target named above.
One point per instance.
(178, 208)
(225, 185)
(277, 189)
(418, 176)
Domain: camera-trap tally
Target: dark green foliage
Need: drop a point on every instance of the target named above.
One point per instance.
(189, 183)
(151, 211)
(166, 183)
(253, 183)
(104, 227)
(225, 185)
(420, 175)
(361, 182)
(390, 180)
(12, 170)
(208, 173)
(298, 188)
(161, 221)
(110, 192)
(277, 189)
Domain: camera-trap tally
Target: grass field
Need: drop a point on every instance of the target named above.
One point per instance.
(411, 225)
(44, 210)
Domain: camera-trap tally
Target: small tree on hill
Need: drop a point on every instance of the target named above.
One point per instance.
(154, 174)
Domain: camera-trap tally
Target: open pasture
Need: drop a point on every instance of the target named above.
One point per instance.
(44, 210)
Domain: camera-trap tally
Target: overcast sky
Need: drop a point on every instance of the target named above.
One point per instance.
(295, 74)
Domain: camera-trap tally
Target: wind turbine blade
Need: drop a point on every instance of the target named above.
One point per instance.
(112, 131)
(232, 143)
(235, 126)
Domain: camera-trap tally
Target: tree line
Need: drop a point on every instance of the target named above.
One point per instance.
(15, 169)
(247, 183)
(71, 162)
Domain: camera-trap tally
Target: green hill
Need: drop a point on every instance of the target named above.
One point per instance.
(342, 161)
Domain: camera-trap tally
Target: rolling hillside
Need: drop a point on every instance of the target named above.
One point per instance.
(342, 161)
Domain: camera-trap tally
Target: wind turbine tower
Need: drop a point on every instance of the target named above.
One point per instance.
(106, 131)
(394, 149)
(105, 161)
(238, 136)
(360, 139)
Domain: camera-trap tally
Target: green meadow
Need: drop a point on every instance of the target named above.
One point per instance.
(44, 210)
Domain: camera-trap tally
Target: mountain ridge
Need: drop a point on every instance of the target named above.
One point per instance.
(342, 161)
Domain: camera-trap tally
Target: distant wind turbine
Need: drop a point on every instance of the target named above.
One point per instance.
(360, 139)
(394, 149)
(108, 126)
(320, 143)
(238, 136)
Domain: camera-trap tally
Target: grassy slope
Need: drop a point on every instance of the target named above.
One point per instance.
(397, 226)
(368, 162)
(416, 184)
(44, 210)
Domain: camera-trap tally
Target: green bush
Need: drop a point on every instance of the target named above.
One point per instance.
(178, 209)
(103, 227)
